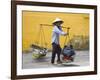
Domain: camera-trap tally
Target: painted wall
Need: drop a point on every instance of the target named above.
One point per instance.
(79, 24)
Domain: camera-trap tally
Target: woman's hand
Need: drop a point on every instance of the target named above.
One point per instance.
(65, 34)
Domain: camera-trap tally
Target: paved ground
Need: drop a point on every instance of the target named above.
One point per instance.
(81, 59)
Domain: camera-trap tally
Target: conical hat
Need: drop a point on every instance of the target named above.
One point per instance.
(57, 20)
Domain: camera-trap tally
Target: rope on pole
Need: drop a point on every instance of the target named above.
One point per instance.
(67, 36)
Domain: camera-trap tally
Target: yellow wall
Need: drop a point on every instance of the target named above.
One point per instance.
(79, 24)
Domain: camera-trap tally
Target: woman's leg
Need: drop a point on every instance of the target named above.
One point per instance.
(58, 53)
(54, 51)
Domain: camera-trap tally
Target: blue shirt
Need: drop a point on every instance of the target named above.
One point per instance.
(56, 33)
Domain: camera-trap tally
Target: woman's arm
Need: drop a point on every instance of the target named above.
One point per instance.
(57, 30)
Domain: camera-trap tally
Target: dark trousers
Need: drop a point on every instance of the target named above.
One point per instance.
(56, 49)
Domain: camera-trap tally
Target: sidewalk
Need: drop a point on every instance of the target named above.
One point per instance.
(81, 59)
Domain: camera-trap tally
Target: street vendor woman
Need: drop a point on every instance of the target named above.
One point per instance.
(57, 31)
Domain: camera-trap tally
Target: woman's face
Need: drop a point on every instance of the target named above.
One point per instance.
(58, 23)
